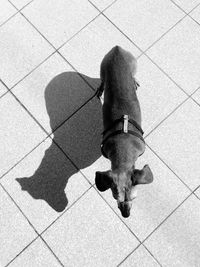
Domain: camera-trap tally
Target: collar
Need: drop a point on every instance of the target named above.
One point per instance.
(125, 130)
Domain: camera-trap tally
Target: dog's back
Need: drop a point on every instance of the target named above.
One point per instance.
(119, 86)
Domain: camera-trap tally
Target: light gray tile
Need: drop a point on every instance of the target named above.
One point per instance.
(176, 243)
(15, 232)
(144, 21)
(21, 49)
(154, 202)
(88, 48)
(59, 21)
(19, 133)
(157, 94)
(178, 54)
(53, 92)
(37, 254)
(90, 234)
(140, 258)
(47, 183)
(177, 142)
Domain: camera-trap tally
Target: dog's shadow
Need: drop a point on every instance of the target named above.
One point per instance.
(79, 137)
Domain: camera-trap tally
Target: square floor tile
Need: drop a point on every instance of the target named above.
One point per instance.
(80, 136)
(53, 92)
(88, 48)
(7, 10)
(140, 258)
(21, 49)
(19, 133)
(157, 94)
(154, 201)
(101, 5)
(37, 254)
(59, 21)
(144, 21)
(16, 233)
(88, 234)
(178, 54)
(46, 184)
(176, 243)
(20, 3)
(3, 89)
(187, 5)
(177, 142)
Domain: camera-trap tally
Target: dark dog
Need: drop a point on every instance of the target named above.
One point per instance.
(122, 137)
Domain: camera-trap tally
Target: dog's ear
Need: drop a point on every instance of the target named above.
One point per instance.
(144, 176)
(103, 180)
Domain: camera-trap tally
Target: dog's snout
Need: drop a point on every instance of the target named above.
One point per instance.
(125, 208)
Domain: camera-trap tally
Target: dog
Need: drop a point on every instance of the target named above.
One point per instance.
(123, 140)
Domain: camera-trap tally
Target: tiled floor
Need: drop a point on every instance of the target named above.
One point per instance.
(50, 211)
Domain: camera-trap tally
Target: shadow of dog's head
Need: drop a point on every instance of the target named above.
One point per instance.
(123, 185)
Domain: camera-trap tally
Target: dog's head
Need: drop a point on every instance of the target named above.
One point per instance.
(123, 185)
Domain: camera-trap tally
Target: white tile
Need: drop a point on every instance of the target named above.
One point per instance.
(90, 234)
(155, 201)
(19, 133)
(3, 89)
(80, 136)
(140, 258)
(187, 5)
(16, 233)
(7, 10)
(196, 14)
(37, 254)
(21, 49)
(196, 96)
(59, 21)
(157, 94)
(102, 4)
(87, 49)
(177, 142)
(53, 92)
(144, 21)
(47, 184)
(176, 242)
(178, 54)
(20, 3)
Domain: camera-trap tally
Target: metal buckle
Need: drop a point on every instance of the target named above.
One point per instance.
(125, 125)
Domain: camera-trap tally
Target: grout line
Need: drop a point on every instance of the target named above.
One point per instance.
(119, 264)
(15, 203)
(165, 118)
(166, 218)
(154, 152)
(152, 255)
(69, 207)
(17, 11)
(27, 246)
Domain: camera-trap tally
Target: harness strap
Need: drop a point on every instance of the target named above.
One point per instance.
(133, 122)
(125, 130)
